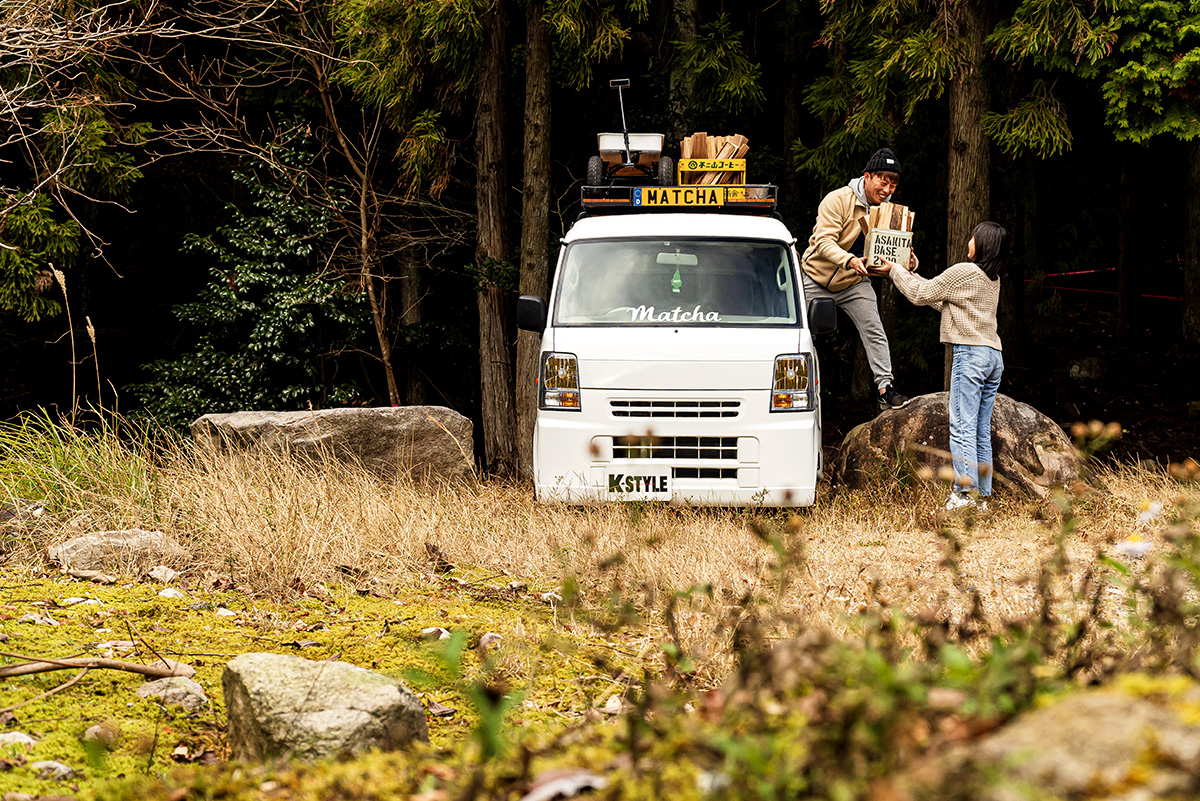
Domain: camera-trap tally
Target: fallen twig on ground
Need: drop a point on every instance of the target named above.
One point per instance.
(45, 665)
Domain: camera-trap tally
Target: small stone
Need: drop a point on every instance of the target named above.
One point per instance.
(175, 691)
(488, 643)
(170, 592)
(17, 738)
(223, 612)
(94, 576)
(114, 550)
(614, 705)
(50, 769)
(177, 668)
(77, 601)
(162, 573)
(102, 732)
(18, 797)
(435, 633)
(564, 783)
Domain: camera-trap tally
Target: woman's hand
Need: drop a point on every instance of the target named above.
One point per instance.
(913, 263)
(882, 269)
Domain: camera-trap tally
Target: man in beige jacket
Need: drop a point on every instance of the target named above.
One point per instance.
(834, 267)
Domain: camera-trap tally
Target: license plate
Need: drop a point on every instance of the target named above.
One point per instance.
(638, 484)
(679, 196)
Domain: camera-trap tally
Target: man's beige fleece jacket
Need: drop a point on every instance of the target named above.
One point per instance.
(841, 219)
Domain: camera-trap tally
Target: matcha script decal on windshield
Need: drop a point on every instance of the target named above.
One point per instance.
(646, 314)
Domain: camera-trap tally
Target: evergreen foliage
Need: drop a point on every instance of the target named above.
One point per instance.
(892, 56)
(68, 144)
(35, 243)
(716, 59)
(272, 329)
(1038, 125)
(1154, 85)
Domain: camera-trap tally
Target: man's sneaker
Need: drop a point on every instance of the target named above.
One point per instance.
(891, 399)
(956, 502)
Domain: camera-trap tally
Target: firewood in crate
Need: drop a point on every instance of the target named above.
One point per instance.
(889, 235)
(728, 151)
(730, 177)
(696, 146)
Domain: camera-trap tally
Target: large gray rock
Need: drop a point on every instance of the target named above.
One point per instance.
(1100, 744)
(116, 550)
(1030, 452)
(419, 442)
(1095, 744)
(285, 706)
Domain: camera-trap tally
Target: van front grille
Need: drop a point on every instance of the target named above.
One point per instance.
(650, 447)
(704, 472)
(675, 408)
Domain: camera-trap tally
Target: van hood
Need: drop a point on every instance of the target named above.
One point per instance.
(685, 358)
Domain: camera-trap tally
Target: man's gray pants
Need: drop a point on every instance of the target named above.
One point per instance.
(860, 303)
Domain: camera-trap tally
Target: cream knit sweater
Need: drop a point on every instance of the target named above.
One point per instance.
(964, 295)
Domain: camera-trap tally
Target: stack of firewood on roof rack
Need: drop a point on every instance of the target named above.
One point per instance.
(703, 146)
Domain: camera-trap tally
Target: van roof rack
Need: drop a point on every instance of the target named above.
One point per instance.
(740, 199)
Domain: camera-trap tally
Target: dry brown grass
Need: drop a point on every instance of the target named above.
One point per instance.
(268, 522)
(271, 524)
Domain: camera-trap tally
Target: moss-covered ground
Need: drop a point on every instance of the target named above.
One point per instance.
(556, 670)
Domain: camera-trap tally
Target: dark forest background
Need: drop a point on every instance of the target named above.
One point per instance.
(232, 205)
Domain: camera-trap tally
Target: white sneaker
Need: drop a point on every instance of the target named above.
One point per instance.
(956, 502)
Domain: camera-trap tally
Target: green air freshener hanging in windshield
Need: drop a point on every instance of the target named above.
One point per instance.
(676, 281)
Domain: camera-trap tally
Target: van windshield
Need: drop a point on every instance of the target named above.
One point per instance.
(676, 282)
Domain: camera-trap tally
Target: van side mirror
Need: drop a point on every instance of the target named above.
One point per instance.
(531, 313)
(822, 315)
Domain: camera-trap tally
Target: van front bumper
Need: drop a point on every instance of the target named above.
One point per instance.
(739, 454)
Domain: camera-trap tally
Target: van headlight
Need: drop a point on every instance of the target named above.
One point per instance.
(792, 388)
(559, 382)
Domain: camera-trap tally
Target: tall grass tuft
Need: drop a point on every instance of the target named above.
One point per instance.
(102, 477)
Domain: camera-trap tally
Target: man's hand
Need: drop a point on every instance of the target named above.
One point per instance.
(857, 265)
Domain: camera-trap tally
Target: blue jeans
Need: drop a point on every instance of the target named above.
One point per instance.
(974, 381)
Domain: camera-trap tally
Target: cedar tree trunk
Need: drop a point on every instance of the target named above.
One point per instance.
(1191, 251)
(791, 115)
(1124, 282)
(968, 202)
(415, 389)
(679, 103)
(535, 221)
(495, 354)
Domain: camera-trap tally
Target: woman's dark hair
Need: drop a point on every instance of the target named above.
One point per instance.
(991, 248)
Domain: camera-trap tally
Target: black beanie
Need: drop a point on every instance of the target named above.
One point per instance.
(883, 160)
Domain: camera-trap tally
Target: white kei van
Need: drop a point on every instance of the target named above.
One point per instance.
(677, 357)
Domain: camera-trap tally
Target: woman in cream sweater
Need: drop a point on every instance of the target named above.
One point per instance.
(967, 295)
